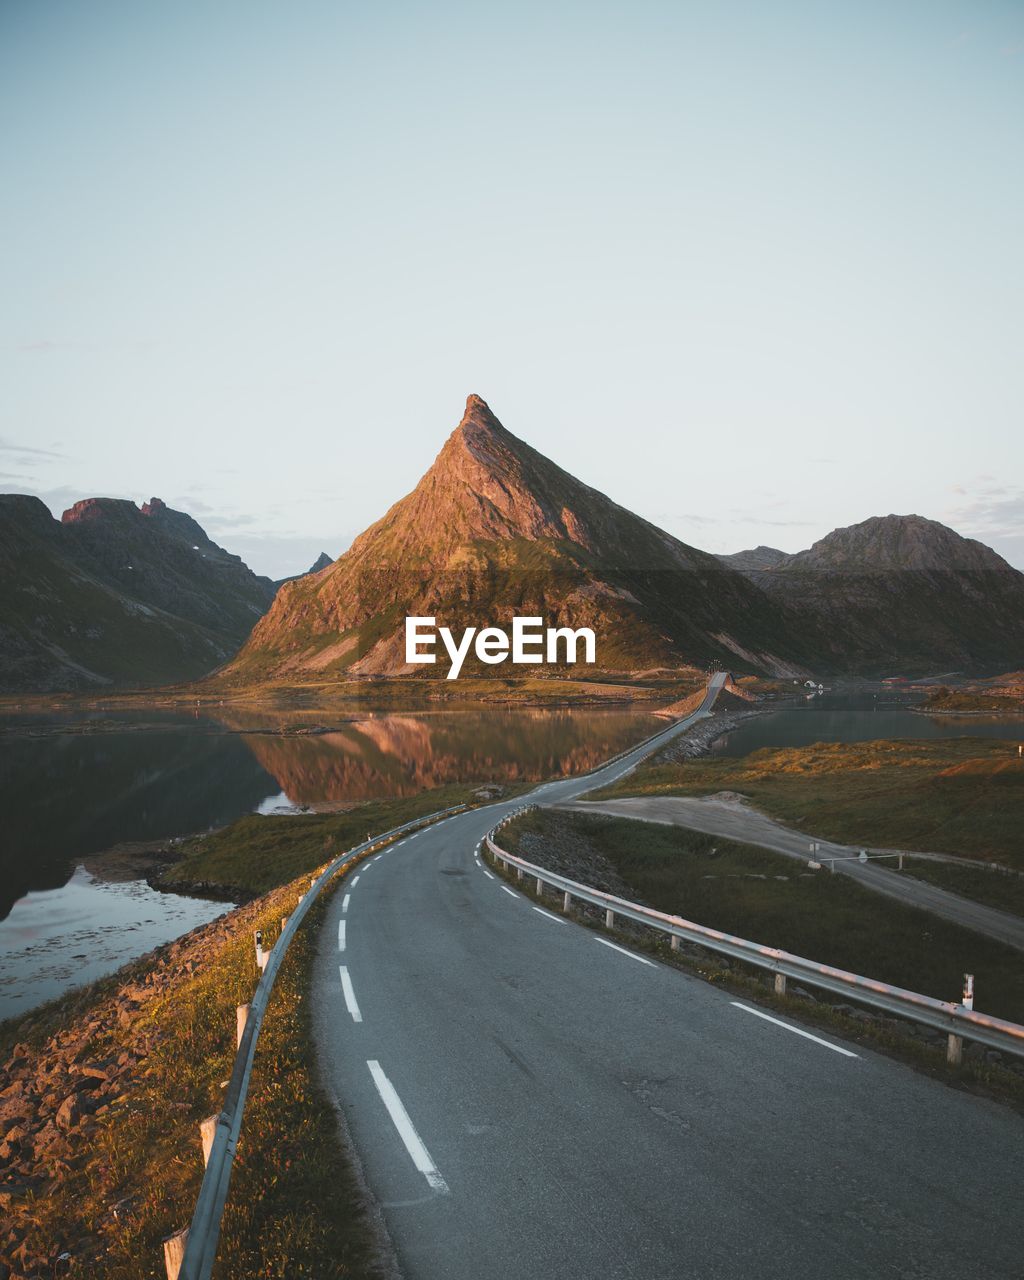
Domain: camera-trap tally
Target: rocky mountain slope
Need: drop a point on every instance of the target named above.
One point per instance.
(116, 595)
(900, 593)
(495, 529)
(320, 563)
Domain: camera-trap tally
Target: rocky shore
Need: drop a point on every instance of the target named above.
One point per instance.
(76, 1069)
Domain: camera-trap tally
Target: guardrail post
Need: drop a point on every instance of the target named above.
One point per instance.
(540, 887)
(954, 1050)
(284, 923)
(609, 919)
(675, 942)
(780, 984)
(241, 1018)
(900, 865)
(174, 1252)
(207, 1132)
(519, 871)
(567, 902)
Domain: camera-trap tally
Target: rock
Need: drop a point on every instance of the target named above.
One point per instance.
(69, 1112)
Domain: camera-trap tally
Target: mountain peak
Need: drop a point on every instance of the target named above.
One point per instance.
(883, 543)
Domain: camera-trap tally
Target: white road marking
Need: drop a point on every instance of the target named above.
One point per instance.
(557, 919)
(350, 995)
(421, 1157)
(355, 882)
(508, 890)
(486, 873)
(622, 951)
(796, 1030)
(341, 935)
(345, 901)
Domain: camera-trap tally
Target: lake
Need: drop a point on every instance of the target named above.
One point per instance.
(858, 716)
(73, 785)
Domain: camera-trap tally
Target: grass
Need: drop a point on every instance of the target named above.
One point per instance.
(294, 1209)
(259, 852)
(1001, 889)
(770, 899)
(957, 795)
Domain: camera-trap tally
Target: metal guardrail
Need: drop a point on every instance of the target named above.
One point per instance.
(954, 1019)
(200, 1247)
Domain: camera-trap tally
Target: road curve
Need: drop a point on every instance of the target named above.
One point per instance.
(740, 822)
(529, 1102)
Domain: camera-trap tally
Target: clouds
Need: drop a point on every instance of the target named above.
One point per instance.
(993, 513)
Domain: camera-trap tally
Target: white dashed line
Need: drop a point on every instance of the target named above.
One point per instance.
(557, 919)
(508, 890)
(487, 873)
(345, 901)
(622, 951)
(406, 1130)
(349, 994)
(341, 935)
(795, 1030)
(355, 882)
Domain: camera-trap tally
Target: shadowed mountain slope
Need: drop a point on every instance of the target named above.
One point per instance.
(115, 595)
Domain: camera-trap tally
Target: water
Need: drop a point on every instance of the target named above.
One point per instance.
(61, 938)
(73, 785)
(858, 717)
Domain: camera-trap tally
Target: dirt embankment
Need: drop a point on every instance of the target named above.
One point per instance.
(75, 1071)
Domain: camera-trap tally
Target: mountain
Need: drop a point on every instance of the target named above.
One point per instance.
(757, 560)
(906, 593)
(495, 529)
(114, 594)
(321, 562)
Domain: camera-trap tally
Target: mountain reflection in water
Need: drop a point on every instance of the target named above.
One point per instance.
(398, 755)
(72, 785)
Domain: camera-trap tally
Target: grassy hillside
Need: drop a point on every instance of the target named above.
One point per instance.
(958, 795)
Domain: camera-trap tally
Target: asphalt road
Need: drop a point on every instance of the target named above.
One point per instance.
(529, 1102)
(740, 822)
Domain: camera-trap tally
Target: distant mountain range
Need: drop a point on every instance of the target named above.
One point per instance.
(898, 591)
(114, 594)
(495, 528)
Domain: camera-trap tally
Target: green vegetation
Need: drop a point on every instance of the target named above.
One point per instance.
(997, 699)
(956, 795)
(772, 900)
(299, 1213)
(259, 852)
(1001, 889)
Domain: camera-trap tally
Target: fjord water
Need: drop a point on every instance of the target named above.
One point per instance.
(858, 716)
(75, 785)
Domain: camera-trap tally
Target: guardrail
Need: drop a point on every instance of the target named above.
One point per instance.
(958, 1021)
(190, 1254)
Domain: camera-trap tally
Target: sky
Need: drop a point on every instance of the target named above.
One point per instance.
(753, 269)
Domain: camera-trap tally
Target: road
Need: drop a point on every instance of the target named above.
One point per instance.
(737, 821)
(529, 1102)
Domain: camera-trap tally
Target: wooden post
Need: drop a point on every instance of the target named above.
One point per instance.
(519, 871)
(174, 1252)
(207, 1131)
(609, 919)
(567, 902)
(284, 923)
(540, 887)
(241, 1018)
(675, 941)
(900, 867)
(954, 1050)
(780, 984)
